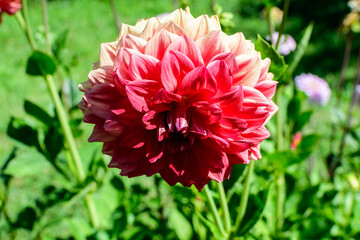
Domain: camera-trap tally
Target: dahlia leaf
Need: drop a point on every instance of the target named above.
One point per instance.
(301, 120)
(40, 64)
(59, 44)
(180, 224)
(278, 66)
(26, 218)
(39, 113)
(23, 133)
(53, 142)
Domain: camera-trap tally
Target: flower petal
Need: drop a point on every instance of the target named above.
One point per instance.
(158, 44)
(188, 47)
(217, 43)
(221, 72)
(107, 53)
(248, 70)
(132, 42)
(201, 26)
(144, 67)
(174, 67)
(198, 85)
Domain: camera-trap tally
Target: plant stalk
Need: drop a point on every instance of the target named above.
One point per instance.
(46, 25)
(115, 15)
(283, 21)
(224, 206)
(214, 210)
(244, 197)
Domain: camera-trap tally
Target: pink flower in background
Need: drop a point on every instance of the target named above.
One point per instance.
(287, 43)
(296, 140)
(9, 6)
(179, 97)
(314, 87)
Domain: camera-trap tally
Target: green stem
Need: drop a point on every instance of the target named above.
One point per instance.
(214, 210)
(46, 25)
(60, 110)
(224, 206)
(270, 23)
(27, 28)
(283, 21)
(279, 123)
(115, 15)
(244, 197)
(280, 202)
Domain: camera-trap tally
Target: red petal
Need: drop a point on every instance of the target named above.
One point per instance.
(222, 74)
(212, 44)
(198, 85)
(187, 46)
(140, 92)
(175, 65)
(158, 44)
(144, 67)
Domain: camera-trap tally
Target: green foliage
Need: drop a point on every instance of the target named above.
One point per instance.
(40, 64)
(277, 66)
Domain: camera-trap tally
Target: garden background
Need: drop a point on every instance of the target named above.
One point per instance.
(36, 201)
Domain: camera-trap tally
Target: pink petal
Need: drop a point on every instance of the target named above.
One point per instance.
(132, 42)
(248, 70)
(174, 67)
(101, 75)
(140, 92)
(173, 28)
(228, 58)
(144, 67)
(217, 43)
(265, 64)
(198, 85)
(201, 26)
(221, 73)
(100, 98)
(187, 46)
(158, 44)
(239, 45)
(253, 97)
(151, 25)
(107, 53)
(267, 88)
(122, 62)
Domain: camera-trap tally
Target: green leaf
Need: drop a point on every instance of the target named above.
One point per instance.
(256, 205)
(180, 224)
(11, 156)
(37, 112)
(40, 64)
(26, 218)
(300, 50)
(53, 142)
(293, 108)
(306, 146)
(211, 226)
(79, 228)
(277, 66)
(23, 133)
(301, 120)
(59, 43)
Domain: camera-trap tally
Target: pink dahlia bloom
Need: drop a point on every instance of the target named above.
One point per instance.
(179, 97)
(9, 6)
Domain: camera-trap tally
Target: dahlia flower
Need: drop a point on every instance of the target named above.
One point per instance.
(287, 43)
(179, 97)
(314, 87)
(9, 6)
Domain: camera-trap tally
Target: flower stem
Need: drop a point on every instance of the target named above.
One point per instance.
(224, 206)
(214, 210)
(283, 21)
(27, 28)
(66, 128)
(244, 196)
(115, 15)
(46, 25)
